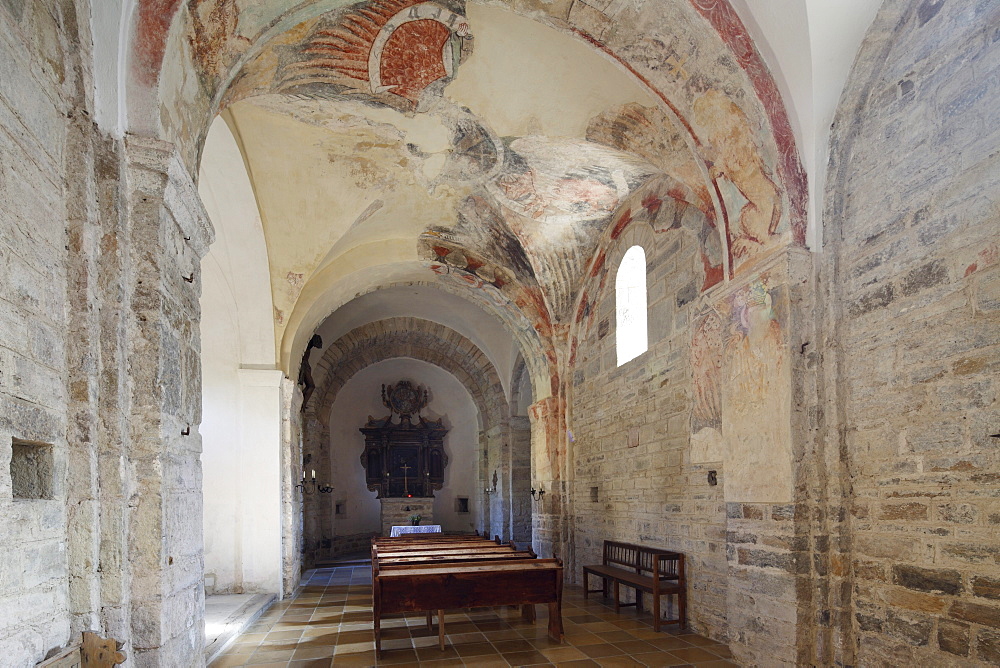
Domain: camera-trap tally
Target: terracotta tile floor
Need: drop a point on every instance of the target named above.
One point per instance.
(328, 622)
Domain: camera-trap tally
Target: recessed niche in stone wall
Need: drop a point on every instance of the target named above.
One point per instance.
(461, 504)
(31, 470)
(341, 508)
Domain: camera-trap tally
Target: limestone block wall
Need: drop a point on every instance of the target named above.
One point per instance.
(35, 98)
(911, 224)
(634, 478)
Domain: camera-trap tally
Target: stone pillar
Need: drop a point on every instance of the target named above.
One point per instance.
(767, 547)
(317, 514)
(166, 234)
(498, 458)
(521, 501)
(550, 522)
(291, 500)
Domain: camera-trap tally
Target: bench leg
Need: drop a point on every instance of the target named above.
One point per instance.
(682, 604)
(430, 623)
(555, 621)
(440, 628)
(605, 580)
(656, 612)
(586, 587)
(617, 603)
(528, 612)
(638, 600)
(377, 617)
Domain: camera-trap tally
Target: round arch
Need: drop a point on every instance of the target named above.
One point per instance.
(435, 344)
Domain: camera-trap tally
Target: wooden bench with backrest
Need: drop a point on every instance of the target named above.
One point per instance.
(645, 569)
(467, 566)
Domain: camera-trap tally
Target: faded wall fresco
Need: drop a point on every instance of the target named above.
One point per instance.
(755, 391)
(753, 203)
(707, 444)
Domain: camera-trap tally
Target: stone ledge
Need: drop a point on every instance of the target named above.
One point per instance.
(231, 622)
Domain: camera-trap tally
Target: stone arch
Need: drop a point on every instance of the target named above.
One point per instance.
(419, 339)
(519, 376)
(438, 345)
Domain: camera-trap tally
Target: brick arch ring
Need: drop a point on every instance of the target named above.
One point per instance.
(417, 339)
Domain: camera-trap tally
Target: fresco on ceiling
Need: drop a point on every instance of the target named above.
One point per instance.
(564, 181)
(481, 253)
(214, 38)
(649, 133)
(397, 52)
(739, 45)
(736, 165)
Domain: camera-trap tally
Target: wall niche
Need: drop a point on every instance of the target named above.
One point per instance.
(31, 470)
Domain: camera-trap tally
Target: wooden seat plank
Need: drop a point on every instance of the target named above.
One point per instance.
(645, 569)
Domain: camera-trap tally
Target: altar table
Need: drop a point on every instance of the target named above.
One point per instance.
(420, 528)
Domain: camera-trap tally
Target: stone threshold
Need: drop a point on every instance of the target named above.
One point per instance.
(227, 616)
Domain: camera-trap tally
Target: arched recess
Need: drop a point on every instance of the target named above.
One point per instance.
(242, 392)
(521, 398)
(420, 340)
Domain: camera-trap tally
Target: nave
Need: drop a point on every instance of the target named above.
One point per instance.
(328, 622)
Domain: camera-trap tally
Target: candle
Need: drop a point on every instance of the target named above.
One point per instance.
(303, 475)
(314, 474)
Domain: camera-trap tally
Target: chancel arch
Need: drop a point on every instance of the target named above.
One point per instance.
(435, 344)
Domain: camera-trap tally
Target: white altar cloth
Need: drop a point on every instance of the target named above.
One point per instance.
(420, 528)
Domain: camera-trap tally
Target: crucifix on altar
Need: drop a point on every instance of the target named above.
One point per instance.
(406, 488)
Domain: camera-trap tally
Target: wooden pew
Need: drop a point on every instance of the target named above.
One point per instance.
(454, 558)
(401, 543)
(428, 587)
(390, 555)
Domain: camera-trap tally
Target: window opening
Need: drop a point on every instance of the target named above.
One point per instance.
(630, 305)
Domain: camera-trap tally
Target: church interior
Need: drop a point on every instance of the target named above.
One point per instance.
(716, 277)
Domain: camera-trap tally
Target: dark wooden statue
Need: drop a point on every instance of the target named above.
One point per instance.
(404, 459)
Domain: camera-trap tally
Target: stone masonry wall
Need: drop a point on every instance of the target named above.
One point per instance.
(912, 217)
(649, 493)
(36, 90)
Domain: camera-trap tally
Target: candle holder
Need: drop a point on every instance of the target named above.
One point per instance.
(539, 492)
(311, 487)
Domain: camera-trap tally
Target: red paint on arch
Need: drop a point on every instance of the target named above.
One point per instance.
(598, 263)
(155, 17)
(727, 23)
(622, 224)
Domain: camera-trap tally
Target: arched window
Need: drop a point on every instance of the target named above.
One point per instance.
(630, 305)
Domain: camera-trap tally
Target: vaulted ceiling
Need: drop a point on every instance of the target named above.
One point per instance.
(474, 151)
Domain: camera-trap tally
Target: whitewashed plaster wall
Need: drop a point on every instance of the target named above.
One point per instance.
(361, 397)
(241, 401)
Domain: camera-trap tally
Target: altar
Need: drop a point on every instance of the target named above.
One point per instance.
(404, 461)
(398, 531)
